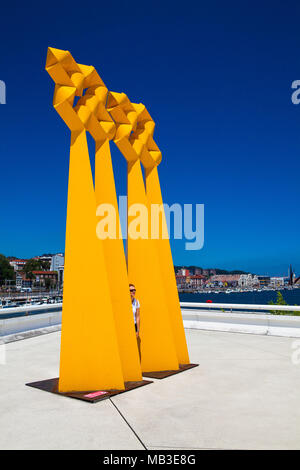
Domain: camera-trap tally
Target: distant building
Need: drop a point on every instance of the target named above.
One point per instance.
(22, 281)
(291, 275)
(183, 272)
(186, 280)
(196, 281)
(41, 276)
(207, 272)
(60, 273)
(247, 280)
(180, 281)
(263, 280)
(220, 280)
(18, 264)
(277, 281)
(47, 258)
(57, 261)
(19, 280)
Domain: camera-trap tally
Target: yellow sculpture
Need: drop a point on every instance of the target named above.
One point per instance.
(98, 343)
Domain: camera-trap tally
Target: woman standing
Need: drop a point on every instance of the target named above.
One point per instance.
(135, 309)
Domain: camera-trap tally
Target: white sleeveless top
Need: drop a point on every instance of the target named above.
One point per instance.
(135, 306)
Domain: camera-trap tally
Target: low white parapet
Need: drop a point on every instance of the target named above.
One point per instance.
(202, 318)
(50, 316)
(251, 307)
(260, 324)
(30, 309)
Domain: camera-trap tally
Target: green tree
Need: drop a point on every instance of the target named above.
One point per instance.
(6, 270)
(280, 301)
(30, 275)
(45, 265)
(48, 283)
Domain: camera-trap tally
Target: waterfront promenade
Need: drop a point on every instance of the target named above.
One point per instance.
(243, 395)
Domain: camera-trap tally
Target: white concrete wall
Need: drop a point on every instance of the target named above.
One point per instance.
(261, 324)
(14, 325)
(253, 323)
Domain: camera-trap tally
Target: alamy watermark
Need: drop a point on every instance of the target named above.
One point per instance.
(295, 356)
(153, 221)
(2, 354)
(2, 92)
(296, 94)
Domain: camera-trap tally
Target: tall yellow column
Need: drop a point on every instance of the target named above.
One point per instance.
(116, 268)
(89, 357)
(158, 350)
(167, 268)
(157, 344)
(150, 156)
(93, 114)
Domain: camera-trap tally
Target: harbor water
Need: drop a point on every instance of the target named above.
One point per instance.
(292, 297)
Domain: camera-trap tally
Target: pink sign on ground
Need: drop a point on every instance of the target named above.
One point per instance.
(95, 394)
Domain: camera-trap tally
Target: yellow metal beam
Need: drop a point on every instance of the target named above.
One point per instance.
(157, 343)
(167, 269)
(116, 268)
(89, 356)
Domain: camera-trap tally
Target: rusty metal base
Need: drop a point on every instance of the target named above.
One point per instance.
(92, 396)
(162, 374)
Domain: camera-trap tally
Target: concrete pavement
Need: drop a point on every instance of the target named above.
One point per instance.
(244, 395)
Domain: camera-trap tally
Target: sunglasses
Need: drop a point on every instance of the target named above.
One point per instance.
(132, 290)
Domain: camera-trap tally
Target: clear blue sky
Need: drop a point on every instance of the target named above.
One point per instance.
(216, 78)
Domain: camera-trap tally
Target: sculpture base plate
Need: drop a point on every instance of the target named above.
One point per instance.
(162, 374)
(92, 396)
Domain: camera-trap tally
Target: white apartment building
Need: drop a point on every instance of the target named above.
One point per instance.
(57, 261)
(247, 280)
(18, 264)
(277, 281)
